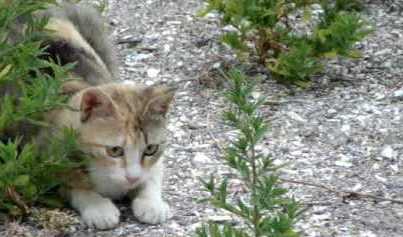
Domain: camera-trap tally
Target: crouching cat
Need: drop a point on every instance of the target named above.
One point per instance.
(121, 126)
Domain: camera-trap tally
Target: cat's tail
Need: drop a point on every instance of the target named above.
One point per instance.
(78, 35)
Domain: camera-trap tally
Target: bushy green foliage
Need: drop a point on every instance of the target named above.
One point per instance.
(21, 68)
(264, 29)
(29, 86)
(29, 176)
(266, 211)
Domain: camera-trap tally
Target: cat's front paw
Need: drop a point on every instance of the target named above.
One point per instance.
(150, 211)
(101, 215)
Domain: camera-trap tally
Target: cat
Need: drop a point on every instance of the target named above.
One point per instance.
(121, 126)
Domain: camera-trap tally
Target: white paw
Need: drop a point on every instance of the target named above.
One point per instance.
(151, 211)
(101, 215)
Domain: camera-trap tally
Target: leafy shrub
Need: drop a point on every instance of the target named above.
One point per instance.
(28, 176)
(264, 29)
(29, 86)
(266, 211)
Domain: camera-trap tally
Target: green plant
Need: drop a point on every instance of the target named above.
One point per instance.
(29, 86)
(21, 67)
(264, 29)
(29, 176)
(266, 211)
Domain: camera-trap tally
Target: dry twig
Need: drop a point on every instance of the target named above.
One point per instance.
(345, 194)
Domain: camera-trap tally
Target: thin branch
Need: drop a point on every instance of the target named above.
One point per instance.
(15, 197)
(342, 193)
(256, 212)
(277, 102)
(316, 203)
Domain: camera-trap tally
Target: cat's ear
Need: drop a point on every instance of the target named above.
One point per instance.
(95, 104)
(158, 100)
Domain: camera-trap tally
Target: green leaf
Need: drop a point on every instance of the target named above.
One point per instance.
(233, 40)
(339, 33)
(322, 34)
(21, 180)
(331, 54)
(8, 152)
(297, 65)
(31, 191)
(209, 185)
(355, 54)
(5, 71)
(290, 233)
(307, 14)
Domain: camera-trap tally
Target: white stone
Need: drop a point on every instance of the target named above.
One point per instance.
(395, 168)
(343, 163)
(367, 233)
(332, 111)
(296, 117)
(230, 28)
(320, 217)
(382, 179)
(149, 83)
(133, 59)
(217, 65)
(356, 187)
(346, 128)
(398, 94)
(256, 95)
(153, 72)
(201, 158)
(388, 152)
(167, 48)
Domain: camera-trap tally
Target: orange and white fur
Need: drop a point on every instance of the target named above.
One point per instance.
(122, 127)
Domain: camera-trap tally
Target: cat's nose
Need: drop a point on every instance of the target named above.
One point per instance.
(132, 179)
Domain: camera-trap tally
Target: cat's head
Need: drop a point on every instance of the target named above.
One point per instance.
(121, 126)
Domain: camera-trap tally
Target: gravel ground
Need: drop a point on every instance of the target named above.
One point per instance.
(345, 132)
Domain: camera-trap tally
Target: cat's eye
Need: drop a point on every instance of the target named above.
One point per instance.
(151, 149)
(115, 151)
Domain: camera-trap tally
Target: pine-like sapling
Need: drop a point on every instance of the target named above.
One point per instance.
(265, 210)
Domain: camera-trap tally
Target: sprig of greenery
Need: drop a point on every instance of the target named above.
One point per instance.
(29, 176)
(23, 70)
(267, 211)
(264, 31)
